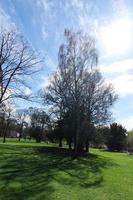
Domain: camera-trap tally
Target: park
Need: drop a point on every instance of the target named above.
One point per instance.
(66, 93)
(40, 171)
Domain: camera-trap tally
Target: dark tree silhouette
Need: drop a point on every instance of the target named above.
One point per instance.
(39, 122)
(116, 140)
(78, 90)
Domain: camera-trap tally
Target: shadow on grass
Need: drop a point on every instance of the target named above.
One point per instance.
(40, 172)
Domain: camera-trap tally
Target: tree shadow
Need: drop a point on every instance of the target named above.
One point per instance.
(38, 172)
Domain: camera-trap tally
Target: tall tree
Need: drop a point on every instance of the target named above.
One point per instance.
(78, 90)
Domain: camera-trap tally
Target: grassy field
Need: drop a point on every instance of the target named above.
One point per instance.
(30, 171)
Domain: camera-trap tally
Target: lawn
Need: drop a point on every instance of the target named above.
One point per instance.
(41, 172)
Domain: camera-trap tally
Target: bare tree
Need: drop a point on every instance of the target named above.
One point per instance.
(21, 118)
(77, 88)
(39, 123)
(39, 118)
(7, 114)
(17, 61)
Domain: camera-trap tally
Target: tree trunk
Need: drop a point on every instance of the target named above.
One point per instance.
(80, 148)
(87, 146)
(4, 138)
(79, 143)
(60, 142)
(20, 135)
(19, 138)
(5, 131)
(21, 130)
(70, 145)
(75, 143)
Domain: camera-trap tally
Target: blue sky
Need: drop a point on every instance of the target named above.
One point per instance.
(43, 22)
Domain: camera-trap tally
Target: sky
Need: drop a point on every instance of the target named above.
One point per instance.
(42, 22)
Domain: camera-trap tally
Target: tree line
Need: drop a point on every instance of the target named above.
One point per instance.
(44, 129)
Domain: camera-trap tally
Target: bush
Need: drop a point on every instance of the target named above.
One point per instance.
(36, 133)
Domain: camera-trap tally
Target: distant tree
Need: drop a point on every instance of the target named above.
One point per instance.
(21, 118)
(2, 119)
(17, 61)
(116, 141)
(36, 133)
(130, 141)
(78, 90)
(39, 121)
(99, 138)
(7, 114)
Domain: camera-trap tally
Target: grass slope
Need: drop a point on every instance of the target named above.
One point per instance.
(36, 172)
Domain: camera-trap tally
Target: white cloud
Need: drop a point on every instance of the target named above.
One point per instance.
(120, 8)
(81, 15)
(121, 76)
(45, 81)
(116, 36)
(78, 4)
(44, 33)
(46, 13)
(46, 5)
(122, 66)
(123, 84)
(5, 20)
(128, 123)
(50, 63)
(27, 91)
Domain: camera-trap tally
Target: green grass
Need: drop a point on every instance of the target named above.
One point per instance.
(39, 172)
(15, 141)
